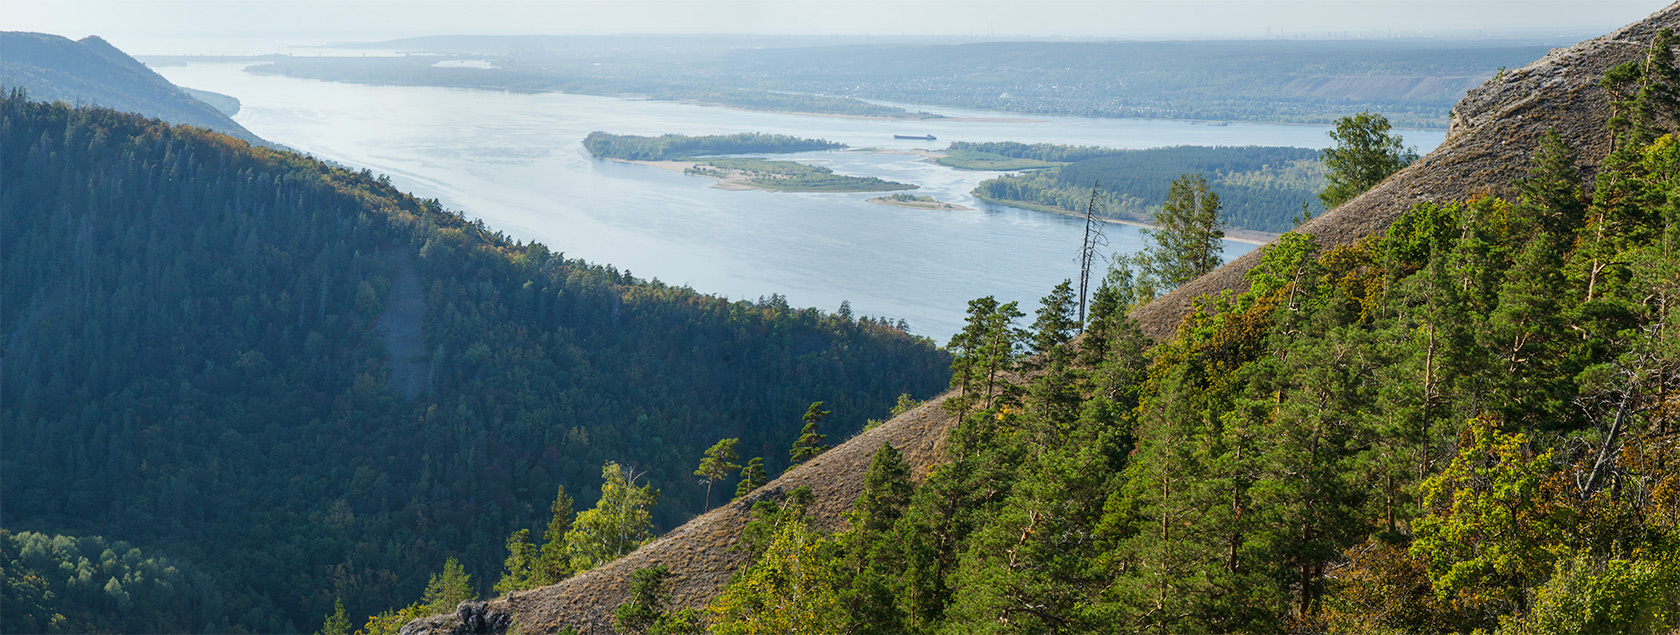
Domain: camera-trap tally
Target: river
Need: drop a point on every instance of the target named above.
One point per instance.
(515, 161)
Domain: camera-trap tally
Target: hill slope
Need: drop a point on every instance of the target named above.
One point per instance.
(1494, 136)
(90, 71)
(1493, 132)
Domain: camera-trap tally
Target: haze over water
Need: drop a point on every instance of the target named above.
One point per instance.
(515, 160)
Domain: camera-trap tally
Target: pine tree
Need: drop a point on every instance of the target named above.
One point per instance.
(555, 563)
(1055, 392)
(647, 610)
(874, 562)
(810, 442)
(448, 589)
(1188, 234)
(988, 347)
(1056, 324)
(752, 477)
(717, 464)
(336, 623)
(1160, 552)
(520, 566)
(1530, 341)
(1552, 199)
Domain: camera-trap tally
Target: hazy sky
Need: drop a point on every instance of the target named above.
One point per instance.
(153, 24)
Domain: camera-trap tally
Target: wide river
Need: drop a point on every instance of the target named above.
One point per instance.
(515, 161)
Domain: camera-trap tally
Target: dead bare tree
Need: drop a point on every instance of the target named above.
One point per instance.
(1094, 239)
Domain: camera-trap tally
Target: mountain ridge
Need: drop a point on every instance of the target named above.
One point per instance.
(91, 70)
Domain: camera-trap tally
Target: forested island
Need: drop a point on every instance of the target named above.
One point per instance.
(1262, 188)
(915, 202)
(675, 146)
(787, 176)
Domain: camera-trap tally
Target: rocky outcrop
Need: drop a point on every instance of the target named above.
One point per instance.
(472, 617)
(1493, 133)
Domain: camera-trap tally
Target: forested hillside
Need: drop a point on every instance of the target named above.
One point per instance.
(297, 383)
(92, 72)
(1466, 423)
(1463, 421)
(1260, 188)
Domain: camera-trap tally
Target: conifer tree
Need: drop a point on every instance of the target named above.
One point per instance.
(1528, 338)
(1163, 551)
(1055, 391)
(520, 567)
(1552, 199)
(752, 477)
(555, 563)
(716, 465)
(810, 442)
(447, 589)
(647, 610)
(1056, 324)
(1188, 235)
(336, 623)
(874, 562)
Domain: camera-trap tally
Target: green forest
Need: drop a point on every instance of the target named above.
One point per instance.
(1262, 188)
(675, 146)
(1464, 424)
(240, 384)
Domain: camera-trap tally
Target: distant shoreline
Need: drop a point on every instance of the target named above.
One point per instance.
(836, 115)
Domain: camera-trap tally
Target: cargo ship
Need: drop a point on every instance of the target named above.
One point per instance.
(922, 137)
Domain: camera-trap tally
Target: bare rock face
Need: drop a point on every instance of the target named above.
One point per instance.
(1494, 132)
(700, 553)
(1492, 135)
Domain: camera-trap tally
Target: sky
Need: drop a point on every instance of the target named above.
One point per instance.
(165, 26)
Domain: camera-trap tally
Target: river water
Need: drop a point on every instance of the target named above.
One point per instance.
(515, 160)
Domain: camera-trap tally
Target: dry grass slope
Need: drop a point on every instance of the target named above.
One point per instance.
(1494, 131)
(699, 551)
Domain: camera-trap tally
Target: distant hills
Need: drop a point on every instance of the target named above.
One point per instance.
(91, 72)
(1414, 82)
